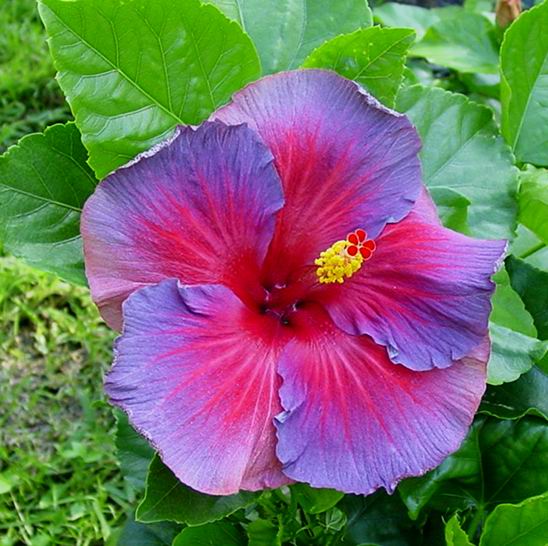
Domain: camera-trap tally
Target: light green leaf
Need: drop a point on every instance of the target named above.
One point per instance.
(419, 19)
(313, 500)
(212, 534)
(465, 42)
(44, 182)
(166, 498)
(533, 201)
(524, 86)
(526, 396)
(524, 524)
(374, 57)
(454, 535)
(286, 31)
(479, 6)
(263, 533)
(462, 152)
(133, 70)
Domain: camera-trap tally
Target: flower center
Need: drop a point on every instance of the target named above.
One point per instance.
(344, 258)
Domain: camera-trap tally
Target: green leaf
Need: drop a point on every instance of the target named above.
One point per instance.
(515, 347)
(532, 286)
(286, 31)
(212, 534)
(134, 452)
(533, 201)
(419, 19)
(462, 467)
(155, 534)
(315, 501)
(378, 519)
(524, 524)
(465, 42)
(374, 57)
(166, 498)
(527, 395)
(500, 461)
(454, 535)
(133, 70)
(462, 152)
(479, 6)
(44, 182)
(524, 86)
(263, 533)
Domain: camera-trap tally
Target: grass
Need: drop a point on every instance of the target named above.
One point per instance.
(59, 479)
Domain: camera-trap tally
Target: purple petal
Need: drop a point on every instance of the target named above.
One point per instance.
(199, 208)
(355, 422)
(345, 160)
(425, 294)
(195, 372)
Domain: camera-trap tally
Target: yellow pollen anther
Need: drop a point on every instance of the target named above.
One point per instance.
(343, 258)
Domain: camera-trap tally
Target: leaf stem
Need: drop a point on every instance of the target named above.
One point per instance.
(476, 522)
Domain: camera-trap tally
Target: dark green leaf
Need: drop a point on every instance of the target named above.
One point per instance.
(286, 31)
(463, 152)
(527, 395)
(524, 524)
(500, 461)
(212, 534)
(263, 533)
(532, 285)
(166, 498)
(524, 86)
(44, 182)
(154, 534)
(465, 42)
(378, 519)
(133, 70)
(533, 201)
(454, 535)
(374, 57)
(134, 452)
(315, 501)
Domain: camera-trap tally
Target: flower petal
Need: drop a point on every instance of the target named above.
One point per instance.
(199, 208)
(345, 160)
(355, 422)
(195, 372)
(424, 294)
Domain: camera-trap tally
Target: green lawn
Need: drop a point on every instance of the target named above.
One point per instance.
(59, 479)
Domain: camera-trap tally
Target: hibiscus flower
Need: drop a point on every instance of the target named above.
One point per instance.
(292, 308)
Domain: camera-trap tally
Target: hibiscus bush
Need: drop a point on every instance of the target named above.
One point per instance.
(320, 230)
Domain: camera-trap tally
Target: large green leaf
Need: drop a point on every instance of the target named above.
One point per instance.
(133, 70)
(462, 152)
(454, 535)
(313, 500)
(524, 524)
(527, 395)
(500, 461)
(166, 498)
(263, 533)
(286, 31)
(212, 534)
(524, 86)
(531, 284)
(134, 452)
(379, 520)
(154, 534)
(374, 57)
(533, 201)
(419, 19)
(515, 347)
(465, 42)
(44, 182)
